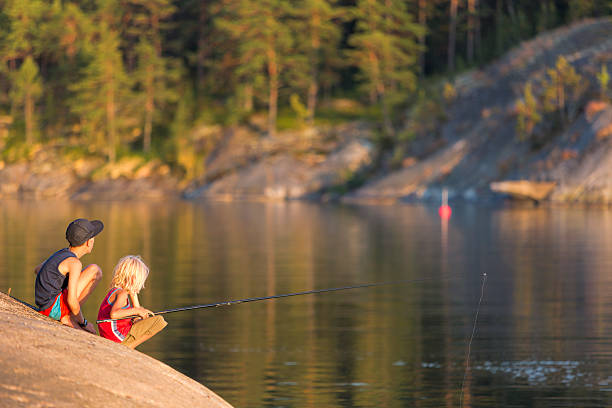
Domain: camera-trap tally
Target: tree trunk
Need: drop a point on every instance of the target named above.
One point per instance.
(12, 68)
(156, 37)
(110, 117)
(387, 124)
(452, 34)
(470, 31)
(248, 98)
(149, 108)
(422, 36)
(313, 87)
(201, 51)
(478, 40)
(273, 98)
(498, 27)
(375, 88)
(29, 117)
(510, 6)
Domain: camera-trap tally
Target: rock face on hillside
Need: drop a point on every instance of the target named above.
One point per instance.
(580, 160)
(48, 174)
(45, 364)
(291, 166)
(479, 142)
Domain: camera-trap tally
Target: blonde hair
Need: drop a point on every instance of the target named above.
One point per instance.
(130, 274)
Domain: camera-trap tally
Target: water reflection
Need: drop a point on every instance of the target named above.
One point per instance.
(543, 334)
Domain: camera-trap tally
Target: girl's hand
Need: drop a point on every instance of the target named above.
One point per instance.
(142, 312)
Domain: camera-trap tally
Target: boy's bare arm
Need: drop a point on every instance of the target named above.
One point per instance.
(37, 268)
(74, 273)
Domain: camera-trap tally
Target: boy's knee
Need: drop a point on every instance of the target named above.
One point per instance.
(95, 272)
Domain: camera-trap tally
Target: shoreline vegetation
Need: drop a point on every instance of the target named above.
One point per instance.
(134, 108)
(79, 369)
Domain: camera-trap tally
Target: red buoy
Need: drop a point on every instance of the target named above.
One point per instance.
(445, 211)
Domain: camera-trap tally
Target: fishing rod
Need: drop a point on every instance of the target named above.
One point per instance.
(257, 299)
(21, 301)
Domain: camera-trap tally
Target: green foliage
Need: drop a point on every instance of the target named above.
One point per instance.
(449, 92)
(427, 113)
(604, 80)
(26, 81)
(153, 79)
(101, 94)
(563, 90)
(186, 153)
(385, 51)
(318, 34)
(579, 9)
(301, 112)
(528, 113)
(17, 150)
(264, 48)
(544, 108)
(24, 37)
(27, 89)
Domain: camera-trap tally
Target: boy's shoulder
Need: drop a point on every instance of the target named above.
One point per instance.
(70, 262)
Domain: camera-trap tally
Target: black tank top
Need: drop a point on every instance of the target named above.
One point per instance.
(50, 281)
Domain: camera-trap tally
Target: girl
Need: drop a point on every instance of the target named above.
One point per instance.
(129, 278)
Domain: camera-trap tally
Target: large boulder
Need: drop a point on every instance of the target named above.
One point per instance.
(46, 364)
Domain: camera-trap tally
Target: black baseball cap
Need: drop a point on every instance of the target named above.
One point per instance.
(80, 230)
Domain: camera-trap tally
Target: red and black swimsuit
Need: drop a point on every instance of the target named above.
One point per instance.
(117, 329)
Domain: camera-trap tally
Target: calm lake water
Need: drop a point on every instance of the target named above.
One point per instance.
(543, 336)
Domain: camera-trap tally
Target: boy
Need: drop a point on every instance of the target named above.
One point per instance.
(62, 286)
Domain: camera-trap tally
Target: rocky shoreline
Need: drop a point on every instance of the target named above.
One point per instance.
(45, 364)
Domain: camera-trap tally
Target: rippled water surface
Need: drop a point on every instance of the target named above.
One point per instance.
(543, 331)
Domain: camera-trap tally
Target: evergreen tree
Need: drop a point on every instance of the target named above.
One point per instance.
(385, 51)
(23, 38)
(452, 36)
(603, 78)
(563, 90)
(27, 88)
(66, 36)
(264, 43)
(318, 35)
(151, 70)
(528, 113)
(101, 94)
(152, 77)
(423, 12)
(142, 20)
(473, 30)
(579, 9)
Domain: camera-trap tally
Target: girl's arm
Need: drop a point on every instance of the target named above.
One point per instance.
(121, 299)
(134, 298)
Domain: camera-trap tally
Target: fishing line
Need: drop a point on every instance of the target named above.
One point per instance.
(469, 348)
(308, 292)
